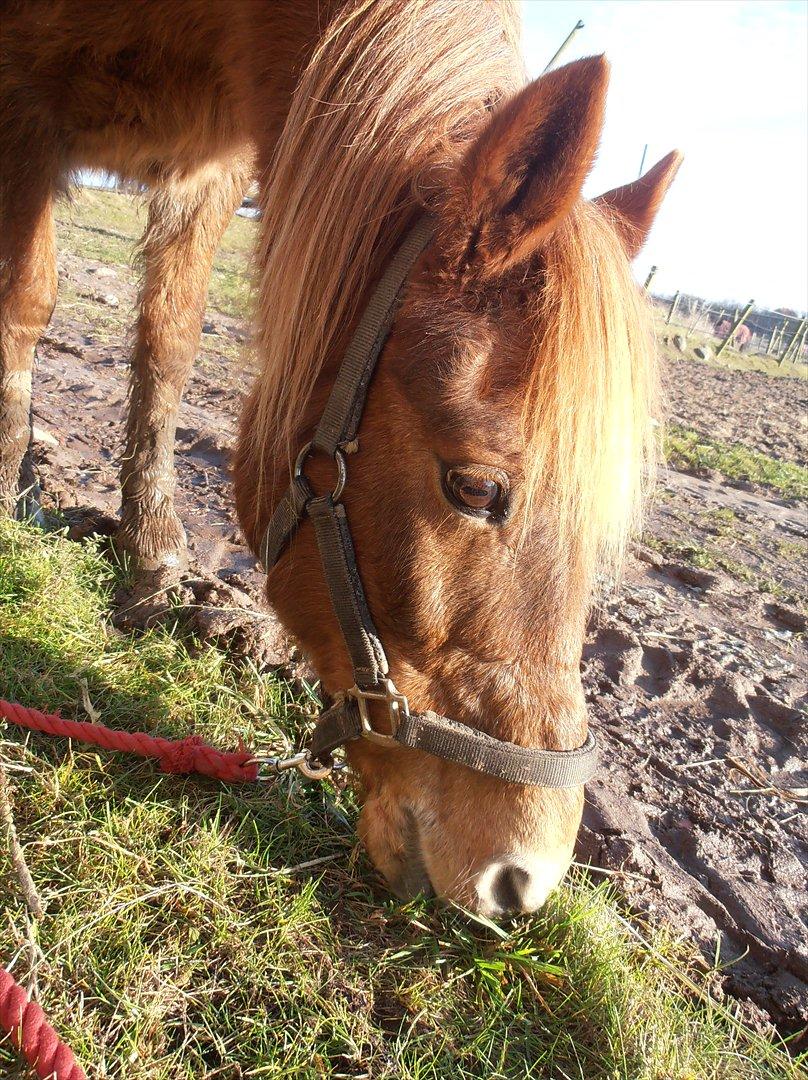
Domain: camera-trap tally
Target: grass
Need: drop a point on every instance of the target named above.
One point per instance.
(730, 358)
(691, 449)
(105, 226)
(711, 558)
(197, 931)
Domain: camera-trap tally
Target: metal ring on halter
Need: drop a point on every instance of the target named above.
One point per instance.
(342, 469)
(310, 769)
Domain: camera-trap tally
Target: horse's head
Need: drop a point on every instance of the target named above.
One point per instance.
(501, 453)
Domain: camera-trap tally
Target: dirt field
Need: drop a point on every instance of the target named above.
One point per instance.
(695, 666)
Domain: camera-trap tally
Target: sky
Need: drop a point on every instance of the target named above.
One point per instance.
(726, 82)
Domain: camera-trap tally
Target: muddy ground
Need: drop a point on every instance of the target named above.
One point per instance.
(694, 667)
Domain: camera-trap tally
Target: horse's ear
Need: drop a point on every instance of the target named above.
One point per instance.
(526, 169)
(634, 206)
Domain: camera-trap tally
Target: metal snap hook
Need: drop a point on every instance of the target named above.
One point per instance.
(272, 767)
(310, 769)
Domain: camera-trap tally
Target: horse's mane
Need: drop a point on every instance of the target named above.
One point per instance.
(588, 415)
(393, 91)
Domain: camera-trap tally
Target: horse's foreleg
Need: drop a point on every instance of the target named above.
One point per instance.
(185, 223)
(27, 296)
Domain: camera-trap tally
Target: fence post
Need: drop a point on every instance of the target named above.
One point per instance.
(778, 338)
(792, 347)
(578, 26)
(674, 302)
(699, 308)
(771, 340)
(739, 321)
(797, 350)
(795, 359)
(650, 278)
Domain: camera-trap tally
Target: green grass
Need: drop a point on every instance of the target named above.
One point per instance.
(711, 558)
(100, 225)
(188, 935)
(685, 447)
(105, 226)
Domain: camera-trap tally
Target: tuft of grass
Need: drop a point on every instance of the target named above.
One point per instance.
(194, 930)
(691, 449)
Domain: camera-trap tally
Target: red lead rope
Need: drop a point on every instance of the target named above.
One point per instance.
(182, 756)
(22, 1019)
(30, 1032)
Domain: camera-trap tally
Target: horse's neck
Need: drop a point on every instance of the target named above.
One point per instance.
(273, 43)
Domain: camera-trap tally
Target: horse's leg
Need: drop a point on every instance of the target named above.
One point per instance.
(185, 223)
(28, 282)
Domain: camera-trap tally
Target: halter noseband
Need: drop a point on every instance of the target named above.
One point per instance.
(349, 718)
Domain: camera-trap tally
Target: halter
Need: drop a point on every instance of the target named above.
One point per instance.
(349, 718)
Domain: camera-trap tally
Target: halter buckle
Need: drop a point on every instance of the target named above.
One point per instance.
(397, 706)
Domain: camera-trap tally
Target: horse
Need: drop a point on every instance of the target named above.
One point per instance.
(504, 444)
(741, 337)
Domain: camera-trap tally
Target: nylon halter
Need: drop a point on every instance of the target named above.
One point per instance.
(349, 718)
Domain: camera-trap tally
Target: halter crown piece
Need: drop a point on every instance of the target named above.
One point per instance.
(349, 718)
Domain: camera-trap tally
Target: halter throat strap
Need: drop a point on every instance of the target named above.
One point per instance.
(349, 718)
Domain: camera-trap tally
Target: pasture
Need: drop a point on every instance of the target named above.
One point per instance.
(195, 930)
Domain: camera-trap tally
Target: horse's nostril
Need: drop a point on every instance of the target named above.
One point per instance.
(510, 888)
(517, 884)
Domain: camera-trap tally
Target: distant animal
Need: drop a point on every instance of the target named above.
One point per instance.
(501, 453)
(741, 337)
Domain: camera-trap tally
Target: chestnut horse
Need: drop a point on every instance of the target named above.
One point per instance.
(507, 435)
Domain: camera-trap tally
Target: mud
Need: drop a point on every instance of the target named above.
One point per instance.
(695, 667)
(766, 414)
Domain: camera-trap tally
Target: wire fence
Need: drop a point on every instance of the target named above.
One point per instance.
(782, 335)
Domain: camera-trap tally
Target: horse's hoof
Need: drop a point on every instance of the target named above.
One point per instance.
(152, 544)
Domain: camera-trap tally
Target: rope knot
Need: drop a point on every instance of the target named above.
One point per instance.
(181, 756)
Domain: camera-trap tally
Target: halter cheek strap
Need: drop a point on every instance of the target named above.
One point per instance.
(349, 718)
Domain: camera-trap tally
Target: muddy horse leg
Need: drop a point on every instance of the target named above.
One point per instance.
(185, 223)
(27, 296)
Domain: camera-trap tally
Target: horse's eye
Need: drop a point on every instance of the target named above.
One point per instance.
(477, 493)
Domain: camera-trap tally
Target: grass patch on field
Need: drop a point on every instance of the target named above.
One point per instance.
(711, 558)
(730, 358)
(100, 225)
(105, 226)
(691, 449)
(191, 932)
(103, 324)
